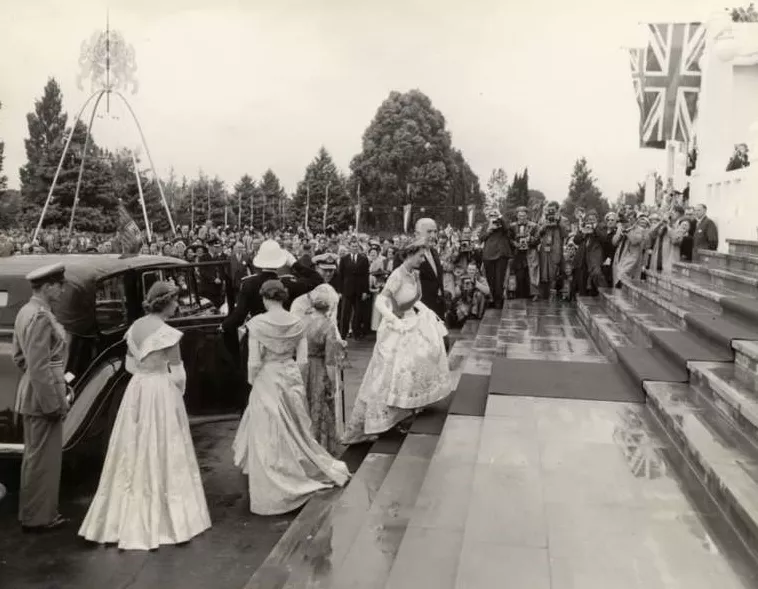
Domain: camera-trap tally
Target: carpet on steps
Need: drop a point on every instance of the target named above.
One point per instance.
(563, 380)
(645, 365)
(723, 330)
(470, 398)
(687, 347)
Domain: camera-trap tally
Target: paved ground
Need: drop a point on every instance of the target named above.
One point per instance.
(223, 558)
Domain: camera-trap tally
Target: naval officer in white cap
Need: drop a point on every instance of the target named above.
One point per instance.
(40, 351)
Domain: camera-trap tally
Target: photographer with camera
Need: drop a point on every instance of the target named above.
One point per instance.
(525, 266)
(496, 251)
(590, 256)
(550, 235)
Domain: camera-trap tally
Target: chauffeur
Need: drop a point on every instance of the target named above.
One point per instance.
(39, 350)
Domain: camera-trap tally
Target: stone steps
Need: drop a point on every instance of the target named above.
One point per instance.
(726, 281)
(743, 246)
(723, 459)
(743, 263)
(706, 403)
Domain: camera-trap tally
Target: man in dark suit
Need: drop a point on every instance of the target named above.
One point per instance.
(353, 271)
(270, 263)
(706, 233)
(240, 265)
(430, 271)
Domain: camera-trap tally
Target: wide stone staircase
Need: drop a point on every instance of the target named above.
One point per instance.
(690, 341)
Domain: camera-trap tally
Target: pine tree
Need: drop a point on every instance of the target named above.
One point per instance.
(518, 194)
(319, 174)
(583, 192)
(271, 199)
(44, 147)
(497, 190)
(244, 192)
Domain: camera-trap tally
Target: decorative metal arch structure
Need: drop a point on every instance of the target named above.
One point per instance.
(100, 47)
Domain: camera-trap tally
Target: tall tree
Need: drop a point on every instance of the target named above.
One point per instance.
(44, 148)
(319, 174)
(583, 192)
(271, 199)
(536, 200)
(464, 191)
(244, 192)
(497, 190)
(518, 194)
(406, 158)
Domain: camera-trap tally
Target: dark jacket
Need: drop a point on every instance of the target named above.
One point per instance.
(249, 301)
(354, 276)
(706, 235)
(496, 244)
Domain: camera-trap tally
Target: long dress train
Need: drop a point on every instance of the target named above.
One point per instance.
(150, 492)
(274, 445)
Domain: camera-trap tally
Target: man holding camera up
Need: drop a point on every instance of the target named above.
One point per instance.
(551, 237)
(496, 251)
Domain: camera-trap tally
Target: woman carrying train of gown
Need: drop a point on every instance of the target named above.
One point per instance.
(409, 368)
(274, 445)
(150, 492)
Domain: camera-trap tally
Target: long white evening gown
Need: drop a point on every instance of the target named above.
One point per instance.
(408, 369)
(274, 445)
(150, 491)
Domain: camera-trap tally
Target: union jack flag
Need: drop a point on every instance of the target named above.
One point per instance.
(637, 61)
(669, 83)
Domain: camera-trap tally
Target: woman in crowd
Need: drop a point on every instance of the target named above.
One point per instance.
(377, 278)
(632, 243)
(326, 352)
(408, 369)
(274, 445)
(150, 492)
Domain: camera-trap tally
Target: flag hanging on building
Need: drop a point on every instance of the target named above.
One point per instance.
(129, 234)
(670, 83)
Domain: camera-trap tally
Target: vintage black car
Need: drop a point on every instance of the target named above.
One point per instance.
(102, 296)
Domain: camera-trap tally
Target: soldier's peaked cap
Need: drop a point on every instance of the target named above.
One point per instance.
(47, 274)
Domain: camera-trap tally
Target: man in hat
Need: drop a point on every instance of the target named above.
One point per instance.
(270, 263)
(326, 265)
(39, 350)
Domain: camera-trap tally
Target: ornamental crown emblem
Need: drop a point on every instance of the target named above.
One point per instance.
(108, 61)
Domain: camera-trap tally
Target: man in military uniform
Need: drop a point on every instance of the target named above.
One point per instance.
(39, 350)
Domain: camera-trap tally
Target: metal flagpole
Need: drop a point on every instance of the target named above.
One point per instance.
(239, 213)
(142, 200)
(326, 202)
(208, 218)
(307, 205)
(192, 207)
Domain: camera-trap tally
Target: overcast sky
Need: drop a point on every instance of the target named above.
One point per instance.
(236, 87)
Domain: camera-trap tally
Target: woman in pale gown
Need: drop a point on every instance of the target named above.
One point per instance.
(409, 368)
(150, 492)
(630, 250)
(274, 445)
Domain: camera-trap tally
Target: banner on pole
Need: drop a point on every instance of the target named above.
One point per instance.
(406, 218)
(471, 210)
(129, 234)
(650, 188)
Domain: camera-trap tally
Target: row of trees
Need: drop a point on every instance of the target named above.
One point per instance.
(407, 157)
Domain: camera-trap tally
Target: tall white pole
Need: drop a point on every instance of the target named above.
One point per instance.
(148, 227)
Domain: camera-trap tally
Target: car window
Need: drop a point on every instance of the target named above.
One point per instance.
(201, 289)
(110, 304)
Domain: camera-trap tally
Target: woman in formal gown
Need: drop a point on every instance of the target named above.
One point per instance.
(408, 369)
(274, 445)
(150, 492)
(326, 353)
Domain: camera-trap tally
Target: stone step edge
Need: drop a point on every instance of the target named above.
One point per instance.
(279, 562)
(729, 275)
(599, 331)
(738, 405)
(689, 286)
(713, 476)
(611, 303)
(654, 298)
(727, 255)
(742, 242)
